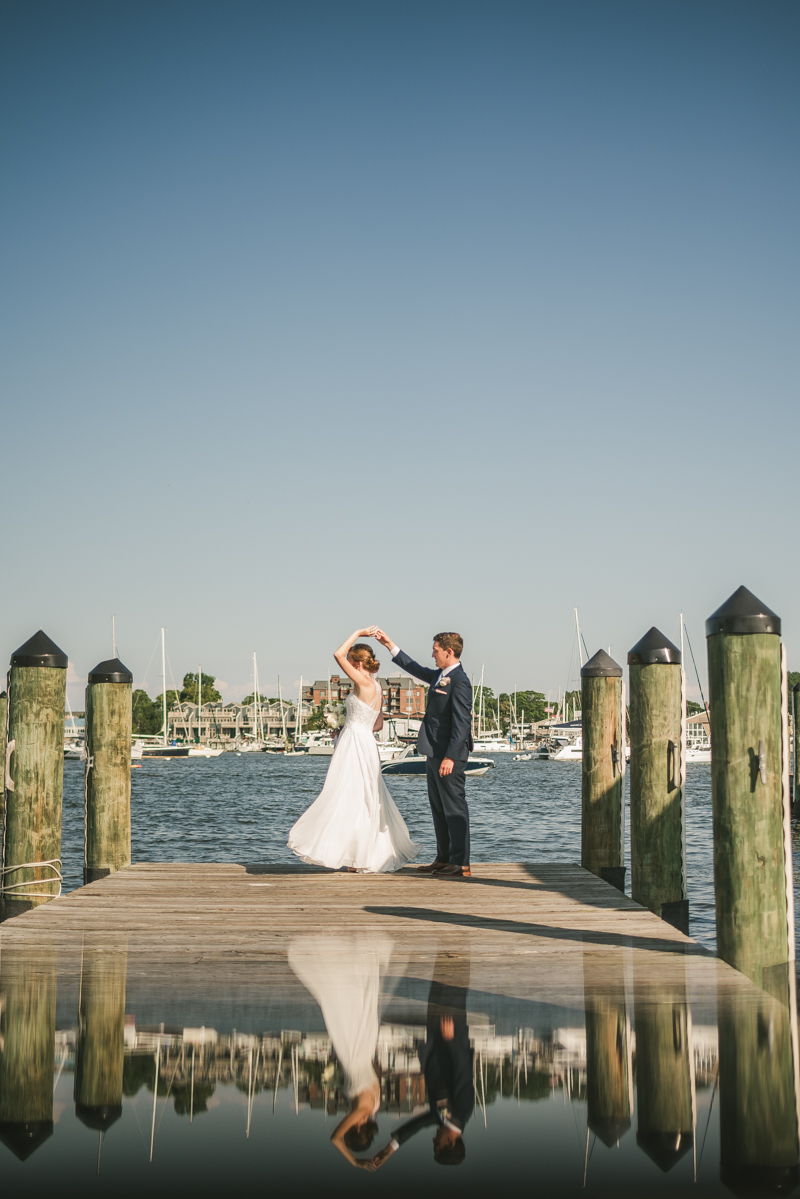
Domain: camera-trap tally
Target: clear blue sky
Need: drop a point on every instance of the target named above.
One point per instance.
(439, 315)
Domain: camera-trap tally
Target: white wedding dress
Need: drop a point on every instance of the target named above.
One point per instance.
(354, 821)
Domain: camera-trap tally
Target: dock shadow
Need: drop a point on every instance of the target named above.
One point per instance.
(546, 931)
(617, 900)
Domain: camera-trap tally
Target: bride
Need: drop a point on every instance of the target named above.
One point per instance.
(354, 821)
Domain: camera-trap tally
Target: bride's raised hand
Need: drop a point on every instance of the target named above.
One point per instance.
(372, 631)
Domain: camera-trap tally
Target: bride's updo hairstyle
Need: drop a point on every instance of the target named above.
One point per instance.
(363, 656)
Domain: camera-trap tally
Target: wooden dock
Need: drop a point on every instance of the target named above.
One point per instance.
(533, 932)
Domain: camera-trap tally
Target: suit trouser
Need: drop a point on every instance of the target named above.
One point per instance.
(450, 813)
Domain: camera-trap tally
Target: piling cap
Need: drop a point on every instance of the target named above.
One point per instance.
(610, 1130)
(601, 667)
(39, 650)
(653, 648)
(99, 1117)
(24, 1137)
(110, 671)
(665, 1148)
(743, 613)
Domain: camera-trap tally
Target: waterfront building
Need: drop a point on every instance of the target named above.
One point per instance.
(225, 723)
(402, 695)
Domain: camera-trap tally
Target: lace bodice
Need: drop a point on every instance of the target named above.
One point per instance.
(359, 713)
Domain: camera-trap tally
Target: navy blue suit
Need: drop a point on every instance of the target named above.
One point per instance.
(446, 733)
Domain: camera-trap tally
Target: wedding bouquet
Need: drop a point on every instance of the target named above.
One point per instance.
(335, 716)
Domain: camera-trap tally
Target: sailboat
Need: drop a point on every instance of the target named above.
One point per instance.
(254, 744)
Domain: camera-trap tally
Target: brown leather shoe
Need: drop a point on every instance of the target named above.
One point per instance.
(455, 872)
(434, 868)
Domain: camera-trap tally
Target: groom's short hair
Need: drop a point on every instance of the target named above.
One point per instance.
(453, 641)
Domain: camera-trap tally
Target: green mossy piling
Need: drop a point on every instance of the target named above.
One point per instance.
(602, 769)
(658, 848)
(754, 904)
(108, 770)
(34, 775)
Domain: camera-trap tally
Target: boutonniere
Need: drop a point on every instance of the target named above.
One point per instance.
(444, 681)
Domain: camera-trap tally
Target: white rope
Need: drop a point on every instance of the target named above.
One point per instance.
(13, 888)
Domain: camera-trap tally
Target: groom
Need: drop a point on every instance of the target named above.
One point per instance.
(445, 739)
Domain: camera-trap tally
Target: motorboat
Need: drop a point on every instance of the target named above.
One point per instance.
(319, 745)
(522, 757)
(410, 762)
(74, 749)
(204, 751)
(493, 745)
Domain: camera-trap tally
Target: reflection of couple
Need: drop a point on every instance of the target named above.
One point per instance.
(344, 975)
(354, 822)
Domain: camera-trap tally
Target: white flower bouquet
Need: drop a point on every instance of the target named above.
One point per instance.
(335, 716)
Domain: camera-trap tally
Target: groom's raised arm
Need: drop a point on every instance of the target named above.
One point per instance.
(419, 672)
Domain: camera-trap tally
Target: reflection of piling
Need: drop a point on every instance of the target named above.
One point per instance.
(608, 1078)
(108, 770)
(658, 851)
(27, 1057)
(752, 869)
(99, 1057)
(664, 1099)
(757, 1113)
(601, 771)
(34, 775)
(3, 714)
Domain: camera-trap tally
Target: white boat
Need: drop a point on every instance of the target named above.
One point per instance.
(522, 757)
(203, 751)
(74, 750)
(136, 751)
(698, 755)
(493, 745)
(319, 745)
(411, 763)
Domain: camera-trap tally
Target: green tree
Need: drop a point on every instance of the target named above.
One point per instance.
(315, 722)
(210, 693)
(146, 715)
(692, 708)
(793, 677)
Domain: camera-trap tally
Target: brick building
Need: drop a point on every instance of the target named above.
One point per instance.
(402, 695)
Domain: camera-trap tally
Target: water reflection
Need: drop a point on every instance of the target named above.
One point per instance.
(664, 1068)
(27, 1061)
(346, 1054)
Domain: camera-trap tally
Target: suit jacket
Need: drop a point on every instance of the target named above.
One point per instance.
(447, 728)
(447, 1066)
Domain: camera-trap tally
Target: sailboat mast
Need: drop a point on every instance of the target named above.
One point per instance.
(199, 699)
(113, 638)
(578, 630)
(298, 724)
(283, 714)
(681, 637)
(164, 683)
(480, 708)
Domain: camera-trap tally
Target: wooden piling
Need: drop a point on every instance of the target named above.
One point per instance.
(100, 1053)
(752, 867)
(658, 841)
(3, 731)
(34, 775)
(107, 770)
(602, 821)
(796, 746)
(27, 1057)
